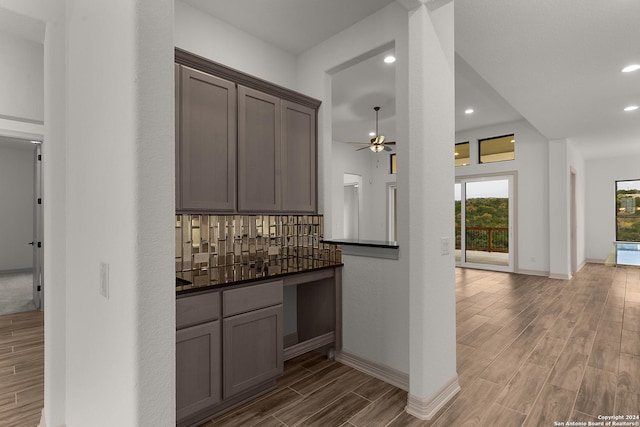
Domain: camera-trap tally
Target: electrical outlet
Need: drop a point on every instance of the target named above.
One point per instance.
(104, 279)
(444, 246)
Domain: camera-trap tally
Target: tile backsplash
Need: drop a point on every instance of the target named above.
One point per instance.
(222, 249)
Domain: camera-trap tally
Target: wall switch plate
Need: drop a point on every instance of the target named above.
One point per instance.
(444, 246)
(104, 279)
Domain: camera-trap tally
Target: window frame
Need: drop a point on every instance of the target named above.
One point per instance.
(480, 141)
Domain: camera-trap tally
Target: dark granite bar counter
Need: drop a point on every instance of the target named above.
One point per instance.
(238, 279)
(368, 243)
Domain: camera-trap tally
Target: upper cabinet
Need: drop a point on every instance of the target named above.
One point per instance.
(259, 152)
(207, 143)
(243, 145)
(298, 158)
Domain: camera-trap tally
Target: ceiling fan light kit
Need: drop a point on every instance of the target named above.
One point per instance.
(377, 143)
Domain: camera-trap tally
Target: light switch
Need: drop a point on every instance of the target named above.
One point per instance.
(104, 279)
(444, 246)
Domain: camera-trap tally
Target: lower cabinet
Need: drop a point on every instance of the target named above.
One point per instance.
(198, 379)
(252, 348)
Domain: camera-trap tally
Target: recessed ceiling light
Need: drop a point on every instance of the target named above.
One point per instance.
(631, 108)
(389, 59)
(372, 134)
(468, 111)
(35, 142)
(630, 68)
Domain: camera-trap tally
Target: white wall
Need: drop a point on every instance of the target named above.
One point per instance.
(218, 41)
(120, 210)
(377, 331)
(21, 78)
(531, 166)
(16, 206)
(600, 223)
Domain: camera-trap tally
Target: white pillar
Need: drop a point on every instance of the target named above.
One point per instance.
(432, 377)
(559, 210)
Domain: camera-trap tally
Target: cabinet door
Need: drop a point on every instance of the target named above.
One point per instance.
(258, 151)
(253, 349)
(298, 158)
(208, 143)
(198, 380)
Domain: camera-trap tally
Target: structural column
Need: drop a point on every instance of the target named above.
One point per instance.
(432, 357)
(559, 210)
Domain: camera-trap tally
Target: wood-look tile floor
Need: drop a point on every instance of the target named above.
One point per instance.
(531, 351)
(21, 369)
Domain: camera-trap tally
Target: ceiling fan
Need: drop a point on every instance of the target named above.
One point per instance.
(377, 143)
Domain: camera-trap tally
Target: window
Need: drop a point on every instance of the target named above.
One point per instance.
(461, 154)
(393, 167)
(497, 149)
(628, 211)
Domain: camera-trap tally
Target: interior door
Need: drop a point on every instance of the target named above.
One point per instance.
(484, 222)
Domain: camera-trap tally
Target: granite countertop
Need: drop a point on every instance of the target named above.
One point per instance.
(190, 281)
(362, 242)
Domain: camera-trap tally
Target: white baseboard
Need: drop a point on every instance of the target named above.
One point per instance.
(560, 276)
(17, 270)
(533, 272)
(592, 261)
(385, 373)
(425, 408)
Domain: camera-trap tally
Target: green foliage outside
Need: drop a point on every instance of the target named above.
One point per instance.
(489, 212)
(628, 215)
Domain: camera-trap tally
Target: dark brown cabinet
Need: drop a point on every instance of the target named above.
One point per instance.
(207, 143)
(259, 155)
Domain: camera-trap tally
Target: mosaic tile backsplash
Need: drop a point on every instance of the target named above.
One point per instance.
(214, 249)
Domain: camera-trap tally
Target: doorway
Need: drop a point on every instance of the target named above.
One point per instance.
(484, 209)
(20, 225)
(352, 196)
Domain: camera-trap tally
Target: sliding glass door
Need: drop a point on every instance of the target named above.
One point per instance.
(484, 222)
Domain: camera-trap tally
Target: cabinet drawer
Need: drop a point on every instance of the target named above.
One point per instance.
(254, 297)
(196, 309)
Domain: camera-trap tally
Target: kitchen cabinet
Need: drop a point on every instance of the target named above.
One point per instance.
(252, 336)
(259, 155)
(298, 160)
(198, 355)
(245, 145)
(207, 143)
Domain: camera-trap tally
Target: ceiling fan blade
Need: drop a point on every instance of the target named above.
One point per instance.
(390, 143)
(363, 148)
(387, 148)
(359, 143)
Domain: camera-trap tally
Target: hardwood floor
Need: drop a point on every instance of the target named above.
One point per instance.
(21, 369)
(531, 351)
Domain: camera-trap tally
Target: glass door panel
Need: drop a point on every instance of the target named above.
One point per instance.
(484, 221)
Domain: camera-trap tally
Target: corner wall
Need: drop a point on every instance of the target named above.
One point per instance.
(377, 330)
(218, 41)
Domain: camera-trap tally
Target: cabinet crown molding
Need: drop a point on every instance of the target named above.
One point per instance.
(200, 63)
